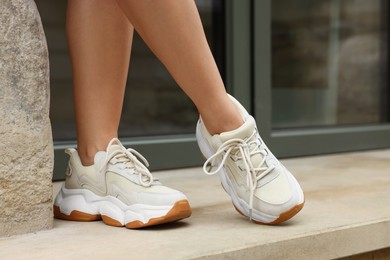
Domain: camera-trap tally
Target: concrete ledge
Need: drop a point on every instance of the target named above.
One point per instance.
(327, 244)
(347, 212)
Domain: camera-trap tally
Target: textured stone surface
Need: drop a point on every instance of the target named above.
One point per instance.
(25, 135)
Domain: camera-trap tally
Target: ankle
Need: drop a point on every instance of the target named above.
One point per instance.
(220, 126)
(87, 147)
(219, 120)
(87, 152)
(86, 155)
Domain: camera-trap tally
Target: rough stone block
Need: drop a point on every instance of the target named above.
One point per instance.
(26, 152)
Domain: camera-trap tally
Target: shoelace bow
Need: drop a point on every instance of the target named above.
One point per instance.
(129, 157)
(243, 150)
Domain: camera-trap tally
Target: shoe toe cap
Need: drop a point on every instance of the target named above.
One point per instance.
(161, 196)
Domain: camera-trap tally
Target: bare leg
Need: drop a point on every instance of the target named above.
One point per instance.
(99, 38)
(173, 30)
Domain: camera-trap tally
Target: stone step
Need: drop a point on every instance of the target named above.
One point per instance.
(347, 212)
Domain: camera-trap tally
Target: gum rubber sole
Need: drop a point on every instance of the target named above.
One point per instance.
(282, 218)
(75, 215)
(180, 210)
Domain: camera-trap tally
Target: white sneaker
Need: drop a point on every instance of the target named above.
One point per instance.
(260, 187)
(119, 189)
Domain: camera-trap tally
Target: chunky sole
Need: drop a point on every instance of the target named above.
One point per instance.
(83, 205)
(179, 211)
(240, 205)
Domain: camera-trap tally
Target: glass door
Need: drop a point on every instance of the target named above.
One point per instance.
(326, 87)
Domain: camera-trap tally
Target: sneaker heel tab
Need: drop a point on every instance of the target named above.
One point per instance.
(69, 151)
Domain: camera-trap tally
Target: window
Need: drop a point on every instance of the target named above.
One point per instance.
(329, 63)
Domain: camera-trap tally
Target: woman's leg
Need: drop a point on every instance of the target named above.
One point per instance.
(99, 38)
(173, 30)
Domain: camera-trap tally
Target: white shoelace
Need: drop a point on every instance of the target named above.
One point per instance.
(243, 150)
(129, 158)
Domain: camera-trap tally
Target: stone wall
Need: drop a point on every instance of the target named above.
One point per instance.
(26, 149)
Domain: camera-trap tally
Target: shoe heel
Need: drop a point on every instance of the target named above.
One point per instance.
(74, 215)
(204, 147)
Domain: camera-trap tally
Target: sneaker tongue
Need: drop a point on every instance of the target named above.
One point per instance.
(114, 147)
(100, 156)
(242, 132)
